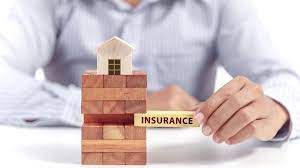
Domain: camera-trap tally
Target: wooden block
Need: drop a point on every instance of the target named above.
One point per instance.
(136, 158)
(92, 107)
(166, 119)
(113, 146)
(135, 106)
(90, 80)
(91, 158)
(114, 81)
(114, 158)
(114, 107)
(136, 80)
(114, 94)
(91, 132)
(132, 132)
(109, 118)
(113, 131)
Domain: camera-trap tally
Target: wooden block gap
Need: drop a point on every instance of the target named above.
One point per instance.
(109, 118)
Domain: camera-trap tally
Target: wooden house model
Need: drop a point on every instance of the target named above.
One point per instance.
(114, 57)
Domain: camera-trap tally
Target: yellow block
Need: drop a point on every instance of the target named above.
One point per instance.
(165, 119)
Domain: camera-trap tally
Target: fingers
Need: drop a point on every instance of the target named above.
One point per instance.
(264, 130)
(250, 121)
(198, 116)
(218, 98)
(253, 129)
(244, 134)
(239, 111)
(240, 119)
(247, 95)
(197, 106)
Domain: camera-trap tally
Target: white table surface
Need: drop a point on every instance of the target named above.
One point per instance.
(181, 147)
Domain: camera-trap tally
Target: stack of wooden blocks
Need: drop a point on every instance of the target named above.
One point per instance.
(109, 103)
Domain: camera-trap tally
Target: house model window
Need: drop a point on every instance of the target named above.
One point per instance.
(114, 66)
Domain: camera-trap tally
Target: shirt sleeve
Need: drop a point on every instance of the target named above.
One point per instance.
(244, 48)
(27, 41)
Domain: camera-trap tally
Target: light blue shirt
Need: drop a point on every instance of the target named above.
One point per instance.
(177, 42)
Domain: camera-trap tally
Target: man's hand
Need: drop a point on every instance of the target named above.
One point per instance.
(171, 98)
(239, 111)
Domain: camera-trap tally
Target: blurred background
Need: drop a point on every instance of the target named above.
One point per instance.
(280, 17)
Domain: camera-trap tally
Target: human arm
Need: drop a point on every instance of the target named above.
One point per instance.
(244, 49)
(27, 40)
(171, 97)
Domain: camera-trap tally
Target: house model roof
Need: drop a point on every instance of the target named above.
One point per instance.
(115, 38)
(114, 47)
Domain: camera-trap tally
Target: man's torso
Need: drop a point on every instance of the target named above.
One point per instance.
(174, 41)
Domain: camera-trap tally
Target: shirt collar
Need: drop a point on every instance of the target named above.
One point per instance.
(122, 5)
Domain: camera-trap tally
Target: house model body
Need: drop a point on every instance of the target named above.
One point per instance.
(114, 57)
(111, 96)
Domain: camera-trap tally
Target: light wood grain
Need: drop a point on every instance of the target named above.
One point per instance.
(115, 131)
(115, 48)
(113, 146)
(166, 119)
(126, 65)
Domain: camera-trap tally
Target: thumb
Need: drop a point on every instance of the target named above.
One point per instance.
(198, 115)
(263, 130)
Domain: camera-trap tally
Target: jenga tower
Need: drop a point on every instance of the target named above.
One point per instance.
(110, 98)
